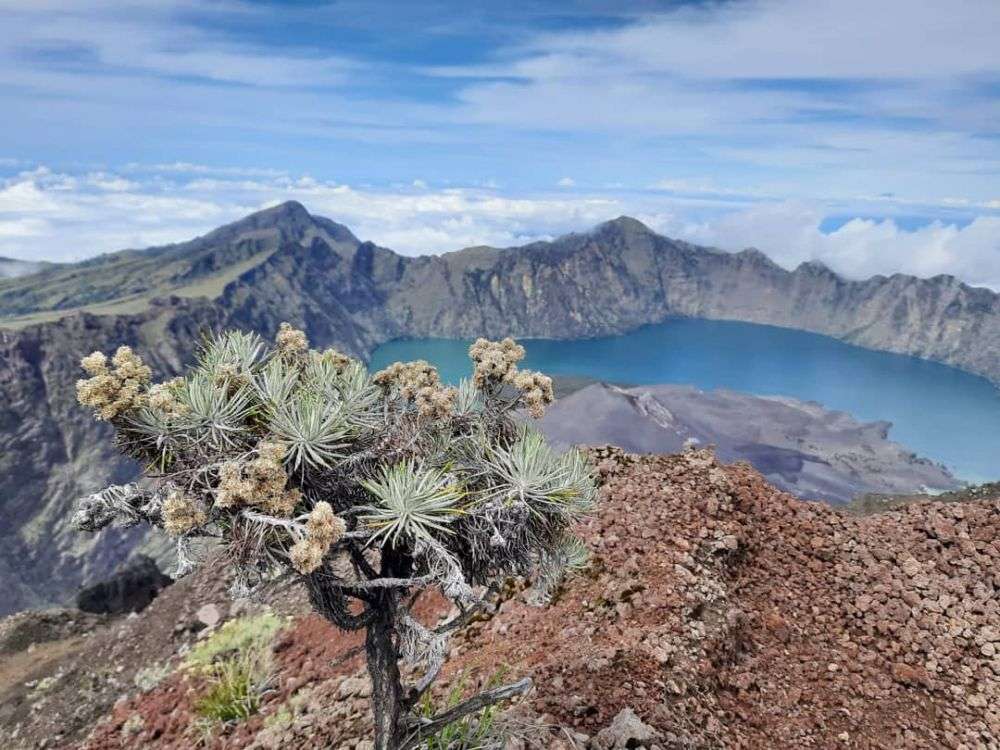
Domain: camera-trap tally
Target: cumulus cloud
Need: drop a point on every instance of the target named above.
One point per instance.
(49, 215)
(813, 96)
(790, 233)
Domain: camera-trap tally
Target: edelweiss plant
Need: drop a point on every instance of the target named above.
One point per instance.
(370, 489)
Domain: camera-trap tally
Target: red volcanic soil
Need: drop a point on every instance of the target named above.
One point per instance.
(723, 612)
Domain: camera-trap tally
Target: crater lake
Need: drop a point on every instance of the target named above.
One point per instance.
(937, 411)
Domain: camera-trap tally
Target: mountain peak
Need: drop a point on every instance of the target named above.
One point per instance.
(290, 219)
(754, 255)
(290, 208)
(816, 267)
(289, 212)
(625, 225)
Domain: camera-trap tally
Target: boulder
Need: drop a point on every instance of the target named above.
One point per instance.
(131, 589)
(625, 731)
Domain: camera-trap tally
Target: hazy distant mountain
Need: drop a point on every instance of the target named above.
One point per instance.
(11, 268)
(284, 264)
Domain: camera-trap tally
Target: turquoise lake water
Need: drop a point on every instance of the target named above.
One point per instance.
(936, 411)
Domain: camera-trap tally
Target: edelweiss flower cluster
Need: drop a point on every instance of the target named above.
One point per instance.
(323, 529)
(259, 483)
(292, 343)
(111, 392)
(408, 377)
(437, 403)
(181, 514)
(162, 398)
(337, 359)
(495, 361)
(229, 376)
(536, 391)
(418, 382)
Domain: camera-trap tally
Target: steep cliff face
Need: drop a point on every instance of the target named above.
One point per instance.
(51, 451)
(284, 264)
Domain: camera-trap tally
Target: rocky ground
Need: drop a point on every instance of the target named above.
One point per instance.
(716, 612)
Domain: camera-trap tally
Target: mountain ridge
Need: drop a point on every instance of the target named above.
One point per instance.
(293, 222)
(285, 264)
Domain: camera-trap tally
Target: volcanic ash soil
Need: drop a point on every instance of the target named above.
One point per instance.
(722, 612)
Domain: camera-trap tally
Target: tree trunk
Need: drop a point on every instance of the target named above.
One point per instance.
(387, 695)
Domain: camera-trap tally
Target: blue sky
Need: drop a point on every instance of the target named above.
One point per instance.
(866, 135)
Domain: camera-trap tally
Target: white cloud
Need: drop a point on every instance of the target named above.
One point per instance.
(21, 229)
(151, 38)
(898, 39)
(887, 95)
(790, 234)
(183, 167)
(47, 215)
(566, 182)
(903, 96)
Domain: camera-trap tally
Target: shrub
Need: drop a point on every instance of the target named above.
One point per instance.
(470, 732)
(234, 662)
(369, 489)
(236, 686)
(238, 636)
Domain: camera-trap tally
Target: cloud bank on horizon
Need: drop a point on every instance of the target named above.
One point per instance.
(863, 135)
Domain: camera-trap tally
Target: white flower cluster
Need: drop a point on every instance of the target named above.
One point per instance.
(436, 403)
(111, 391)
(420, 383)
(323, 529)
(260, 483)
(162, 398)
(336, 358)
(407, 377)
(291, 342)
(536, 391)
(495, 361)
(181, 514)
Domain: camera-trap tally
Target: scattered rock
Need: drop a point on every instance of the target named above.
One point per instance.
(208, 615)
(712, 646)
(626, 731)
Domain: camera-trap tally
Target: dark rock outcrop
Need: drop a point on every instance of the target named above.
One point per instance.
(131, 589)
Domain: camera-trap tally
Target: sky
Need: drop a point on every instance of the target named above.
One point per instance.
(862, 134)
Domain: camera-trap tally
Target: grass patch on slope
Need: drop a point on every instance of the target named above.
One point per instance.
(234, 637)
(236, 665)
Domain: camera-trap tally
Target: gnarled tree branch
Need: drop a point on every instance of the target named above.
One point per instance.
(429, 727)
